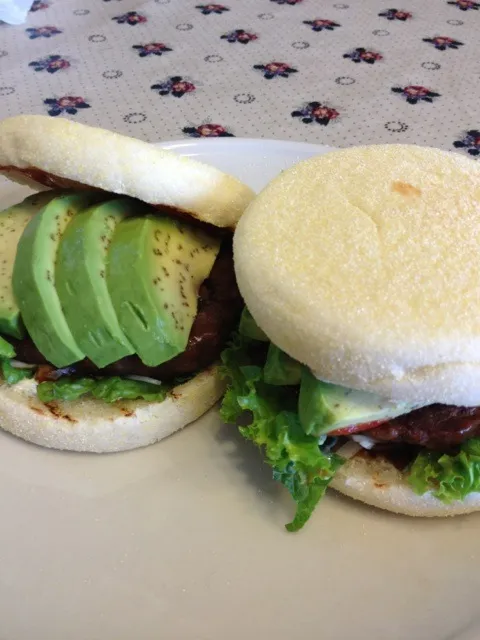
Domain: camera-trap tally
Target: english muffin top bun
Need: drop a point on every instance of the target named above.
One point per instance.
(45, 152)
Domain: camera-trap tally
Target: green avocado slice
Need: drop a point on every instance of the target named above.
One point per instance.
(325, 407)
(33, 279)
(156, 265)
(80, 280)
(12, 224)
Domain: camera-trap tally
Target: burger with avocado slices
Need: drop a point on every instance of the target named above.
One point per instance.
(117, 290)
(359, 356)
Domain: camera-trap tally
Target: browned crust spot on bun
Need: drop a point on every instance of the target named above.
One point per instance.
(127, 412)
(37, 409)
(405, 189)
(58, 413)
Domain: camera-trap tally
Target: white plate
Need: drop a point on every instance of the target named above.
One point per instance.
(185, 540)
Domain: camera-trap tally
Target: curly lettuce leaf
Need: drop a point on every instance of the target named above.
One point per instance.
(107, 389)
(12, 375)
(6, 349)
(296, 458)
(113, 389)
(280, 368)
(249, 328)
(65, 389)
(448, 477)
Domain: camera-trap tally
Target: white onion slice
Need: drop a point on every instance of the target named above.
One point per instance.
(364, 441)
(145, 379)
(17, 364)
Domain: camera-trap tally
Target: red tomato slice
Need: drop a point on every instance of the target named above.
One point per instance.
(356, 428)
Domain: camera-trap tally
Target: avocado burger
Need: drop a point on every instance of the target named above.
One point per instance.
(117, 290)
(358, 357)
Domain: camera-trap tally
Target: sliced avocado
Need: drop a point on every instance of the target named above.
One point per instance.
(155, 268)
(33, 279)
(324, 407)
(249, 328)
(80, 280)
(12, 223)
(280, 368)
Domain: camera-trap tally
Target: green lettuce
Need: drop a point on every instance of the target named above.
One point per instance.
(67, 389)
(6, 349)
(448, 477)
(108, 389)
(12, 375)
(113, 389)
(296, 458)
(249, 328)
(280, 368)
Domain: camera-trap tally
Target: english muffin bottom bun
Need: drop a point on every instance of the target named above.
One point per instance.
(360, 270)
(117, 287)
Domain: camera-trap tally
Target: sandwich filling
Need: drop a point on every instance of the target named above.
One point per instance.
(308, 428)
(107, 296)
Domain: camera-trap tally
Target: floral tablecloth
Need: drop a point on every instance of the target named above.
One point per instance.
(339, 73)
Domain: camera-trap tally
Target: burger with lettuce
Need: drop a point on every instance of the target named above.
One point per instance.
(357, 359)
(117, 290)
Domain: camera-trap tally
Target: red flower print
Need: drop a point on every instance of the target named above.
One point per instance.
(465, 5)
(396, 14)
(69, 104)
(152, 48)
(275, 69)
(470, 142)
(38, 5)
(363, 55)
(50, 64)
(207, 9)
(208, 131)
(175, 86)
(416, 93)
(316, 112)
(131, 17)
(442, 43)
(42, 32)
(239, 35)
(322, 25)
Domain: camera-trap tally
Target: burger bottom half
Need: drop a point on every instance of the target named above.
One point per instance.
(117, 288)
(357, 358)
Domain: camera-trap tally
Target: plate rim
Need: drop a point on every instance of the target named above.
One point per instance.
(271, 143)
